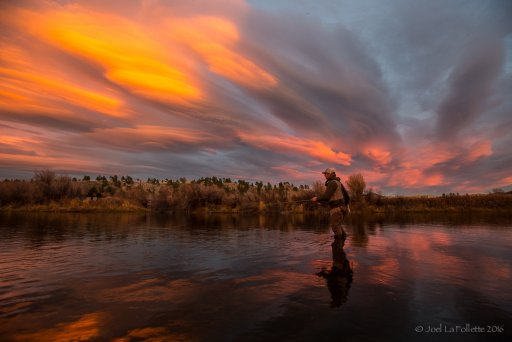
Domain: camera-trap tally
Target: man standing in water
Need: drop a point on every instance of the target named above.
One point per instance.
(334, 197)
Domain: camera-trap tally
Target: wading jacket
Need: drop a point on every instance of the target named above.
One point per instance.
(333, 195)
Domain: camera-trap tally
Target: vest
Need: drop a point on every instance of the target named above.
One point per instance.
(336, 199)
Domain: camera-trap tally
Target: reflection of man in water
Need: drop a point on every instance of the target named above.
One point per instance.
(333, 196)
(339, 277)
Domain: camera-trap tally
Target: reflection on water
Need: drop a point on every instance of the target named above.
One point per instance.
(339, 277)
(225, 277)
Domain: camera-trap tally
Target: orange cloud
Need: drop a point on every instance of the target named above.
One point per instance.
(213, 39)
(20, 143)
(313, 148)
(129, 56)
(25, 92)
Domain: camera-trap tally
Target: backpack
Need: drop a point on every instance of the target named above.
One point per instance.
(346, 196)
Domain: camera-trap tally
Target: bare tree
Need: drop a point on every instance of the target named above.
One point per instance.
(44, 176)
(356, 184)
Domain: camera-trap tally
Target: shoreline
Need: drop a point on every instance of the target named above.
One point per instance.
(55, 208)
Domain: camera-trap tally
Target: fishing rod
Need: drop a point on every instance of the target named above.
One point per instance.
(308, 200)
(282, 202)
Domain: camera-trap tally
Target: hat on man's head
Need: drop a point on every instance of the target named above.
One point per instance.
(329, 171)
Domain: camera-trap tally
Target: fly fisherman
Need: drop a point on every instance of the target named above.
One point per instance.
(336, 197)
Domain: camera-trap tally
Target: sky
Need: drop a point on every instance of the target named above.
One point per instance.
(414, 95)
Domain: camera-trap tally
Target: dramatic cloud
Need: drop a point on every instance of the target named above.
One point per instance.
(471, 86)
(413, 95)
(314, 149)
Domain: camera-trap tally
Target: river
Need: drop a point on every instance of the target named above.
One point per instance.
(132, 277)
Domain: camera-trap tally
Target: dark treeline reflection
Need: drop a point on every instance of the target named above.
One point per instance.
(39, 228)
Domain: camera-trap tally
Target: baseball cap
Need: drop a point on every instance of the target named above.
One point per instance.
(329, 171)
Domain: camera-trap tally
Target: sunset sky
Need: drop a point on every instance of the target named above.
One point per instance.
(415, 95)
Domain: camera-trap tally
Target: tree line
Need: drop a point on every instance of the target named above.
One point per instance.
(46, 189)
(49, 191)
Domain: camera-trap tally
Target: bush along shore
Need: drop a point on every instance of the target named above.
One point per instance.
(47, 191)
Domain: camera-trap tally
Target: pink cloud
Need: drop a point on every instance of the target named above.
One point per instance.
(380, 156)
(479, 149)
(314, 148)
(507, 180)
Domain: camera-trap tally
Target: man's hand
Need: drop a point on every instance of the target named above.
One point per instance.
(314, 199)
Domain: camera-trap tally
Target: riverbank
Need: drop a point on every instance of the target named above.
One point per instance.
(102, 206)
(78, 206)
(50, 193)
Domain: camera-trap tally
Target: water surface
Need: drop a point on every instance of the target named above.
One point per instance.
(129, 278)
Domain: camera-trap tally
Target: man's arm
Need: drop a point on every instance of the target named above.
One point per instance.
(331, 188)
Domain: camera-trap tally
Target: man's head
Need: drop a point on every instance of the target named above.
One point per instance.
(329, 172)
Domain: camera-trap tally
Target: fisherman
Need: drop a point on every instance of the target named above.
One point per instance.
(334, 198)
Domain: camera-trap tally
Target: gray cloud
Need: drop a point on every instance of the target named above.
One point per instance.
(471, 85)
(50, 121)
(331, 72)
